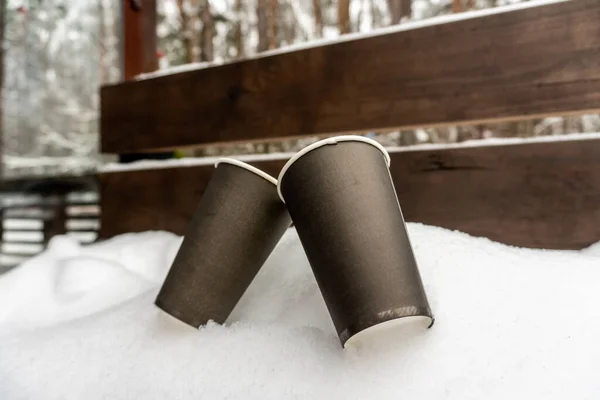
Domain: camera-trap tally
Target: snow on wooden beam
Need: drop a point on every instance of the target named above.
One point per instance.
(541, 195)
(529, 62)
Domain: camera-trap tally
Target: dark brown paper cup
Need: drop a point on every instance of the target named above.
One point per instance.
(235, 228)
(342, 200)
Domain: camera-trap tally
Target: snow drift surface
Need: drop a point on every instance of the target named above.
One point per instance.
(79, 323)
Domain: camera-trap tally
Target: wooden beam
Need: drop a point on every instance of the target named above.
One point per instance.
(542, 195)
(2, 34)
(139, 37)
(532, 62)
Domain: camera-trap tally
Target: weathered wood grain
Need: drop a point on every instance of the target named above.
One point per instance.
(531, 62)
(543, 195)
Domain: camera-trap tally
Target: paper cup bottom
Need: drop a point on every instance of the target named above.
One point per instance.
(375, 333)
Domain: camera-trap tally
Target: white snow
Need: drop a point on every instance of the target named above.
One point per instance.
(188, 162)
(79, 323)
(197, 161)
(68, 280)
(176, 69)
(498, 141)
(438, 20)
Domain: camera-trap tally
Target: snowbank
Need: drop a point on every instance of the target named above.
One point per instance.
(80, 323)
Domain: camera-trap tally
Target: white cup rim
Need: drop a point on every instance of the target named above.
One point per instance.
(324, 142)
(248, 167)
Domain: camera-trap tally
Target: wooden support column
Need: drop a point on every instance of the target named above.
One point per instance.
(139, 51)
(57, 224)
(139, 37)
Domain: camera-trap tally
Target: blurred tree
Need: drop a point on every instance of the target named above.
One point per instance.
(318, 17)
(344, 16)
(238, 31)
(399, 9)
(465, 5)
(262, 26)
(187, 31)
(207, 32)
(273, 20)
(50, 99)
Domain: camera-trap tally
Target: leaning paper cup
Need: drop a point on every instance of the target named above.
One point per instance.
(234, 229)
(343, 203)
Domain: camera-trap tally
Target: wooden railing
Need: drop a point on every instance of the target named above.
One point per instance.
(537, 61)
(34, 210)
(505, 66)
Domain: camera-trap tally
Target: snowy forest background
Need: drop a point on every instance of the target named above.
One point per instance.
(56, 53)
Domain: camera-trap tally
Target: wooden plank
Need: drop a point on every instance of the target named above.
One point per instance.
(533, 195)
(532, 62)
(84, 217)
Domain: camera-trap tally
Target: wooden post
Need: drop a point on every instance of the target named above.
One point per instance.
(1, 227)
(139, 47)
(57, 224)
(139, 37)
